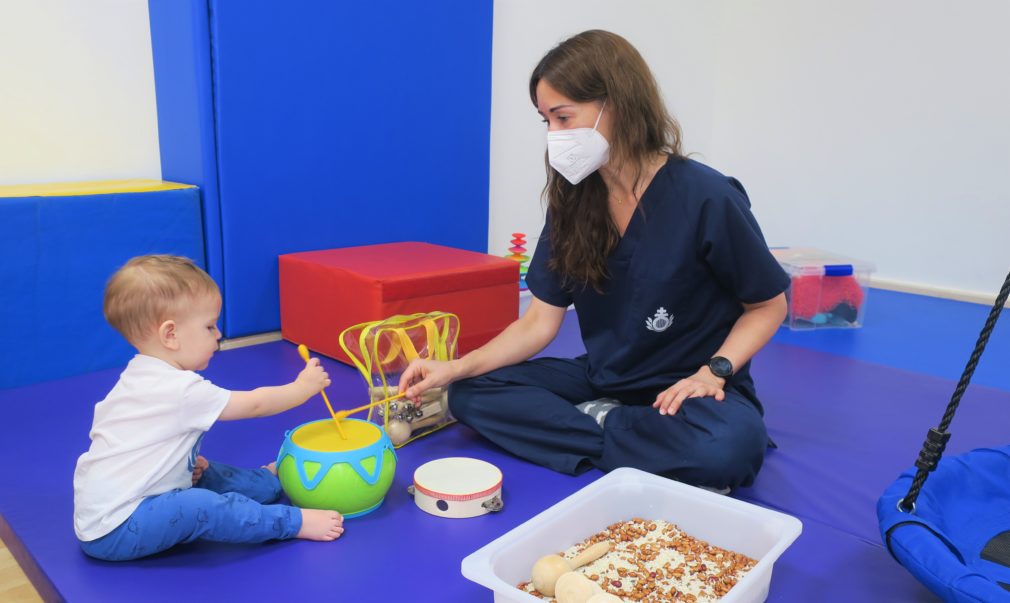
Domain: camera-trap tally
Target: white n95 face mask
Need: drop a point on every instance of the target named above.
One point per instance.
(578, 152)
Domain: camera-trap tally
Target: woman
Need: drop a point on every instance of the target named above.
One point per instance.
(672, 281)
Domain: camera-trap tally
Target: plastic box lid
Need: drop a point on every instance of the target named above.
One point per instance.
(808, 261)
(625, 493)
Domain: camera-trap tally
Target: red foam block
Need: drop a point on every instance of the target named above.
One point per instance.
(324, 292)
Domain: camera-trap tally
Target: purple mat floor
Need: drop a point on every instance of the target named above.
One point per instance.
(845, 429)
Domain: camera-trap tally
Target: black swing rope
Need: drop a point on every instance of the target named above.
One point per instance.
(936, 439)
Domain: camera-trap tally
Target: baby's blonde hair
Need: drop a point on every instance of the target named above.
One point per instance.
(150, 289)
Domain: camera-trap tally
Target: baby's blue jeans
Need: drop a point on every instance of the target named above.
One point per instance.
(227, 505)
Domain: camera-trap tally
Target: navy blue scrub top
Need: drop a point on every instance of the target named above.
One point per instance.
(691, 254)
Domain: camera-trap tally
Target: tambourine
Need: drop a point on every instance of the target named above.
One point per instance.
(457, 487)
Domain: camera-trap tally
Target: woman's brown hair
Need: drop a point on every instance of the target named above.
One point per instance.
(598, 65)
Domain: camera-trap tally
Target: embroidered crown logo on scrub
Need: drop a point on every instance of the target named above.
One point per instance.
(660, 322)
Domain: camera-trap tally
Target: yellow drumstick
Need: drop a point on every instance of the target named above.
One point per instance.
(304, 353)
(343, 413)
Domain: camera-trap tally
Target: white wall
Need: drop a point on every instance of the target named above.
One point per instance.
(76, 91)
(878, 130)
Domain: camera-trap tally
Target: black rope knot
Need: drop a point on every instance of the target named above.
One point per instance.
(932, 449)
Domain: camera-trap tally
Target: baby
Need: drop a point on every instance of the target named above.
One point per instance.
(141, 487)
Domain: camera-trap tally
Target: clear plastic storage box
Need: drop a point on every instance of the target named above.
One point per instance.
(624, 494)
(827, 290)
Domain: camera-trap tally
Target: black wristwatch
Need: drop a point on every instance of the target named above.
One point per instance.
(721, 367)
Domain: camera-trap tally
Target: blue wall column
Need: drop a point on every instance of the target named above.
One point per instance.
(180, 44)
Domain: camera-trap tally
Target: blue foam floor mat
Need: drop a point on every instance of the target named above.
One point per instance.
(917, 333)
(845, 428)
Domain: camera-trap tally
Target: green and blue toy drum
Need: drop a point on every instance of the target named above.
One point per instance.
(319, 469)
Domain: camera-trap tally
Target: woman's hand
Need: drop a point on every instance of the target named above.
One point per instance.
(422, 375)
(699, 385)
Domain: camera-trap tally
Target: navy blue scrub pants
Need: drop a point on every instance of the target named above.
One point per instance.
(228, 504)
(529, 410)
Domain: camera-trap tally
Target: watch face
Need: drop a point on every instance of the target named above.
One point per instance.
(721, 367)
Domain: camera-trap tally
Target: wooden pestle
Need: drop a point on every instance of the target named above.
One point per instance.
(549, 568)
(573, 587)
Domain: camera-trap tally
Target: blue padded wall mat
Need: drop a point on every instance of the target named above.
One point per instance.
(337, 124)
(58, 253)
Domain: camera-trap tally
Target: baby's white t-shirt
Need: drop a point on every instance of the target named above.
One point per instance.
(144, 440)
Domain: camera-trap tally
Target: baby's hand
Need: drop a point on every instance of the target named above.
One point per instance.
(198, 468)
(313, 377)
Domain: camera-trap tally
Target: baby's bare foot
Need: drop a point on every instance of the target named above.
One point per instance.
(320, 524)
(272, 468)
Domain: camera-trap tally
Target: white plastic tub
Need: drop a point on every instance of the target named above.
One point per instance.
(623, 494)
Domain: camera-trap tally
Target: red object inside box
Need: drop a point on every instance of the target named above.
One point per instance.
(324, 292)
(815, 294)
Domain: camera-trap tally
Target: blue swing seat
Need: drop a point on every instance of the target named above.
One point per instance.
(957, 539)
